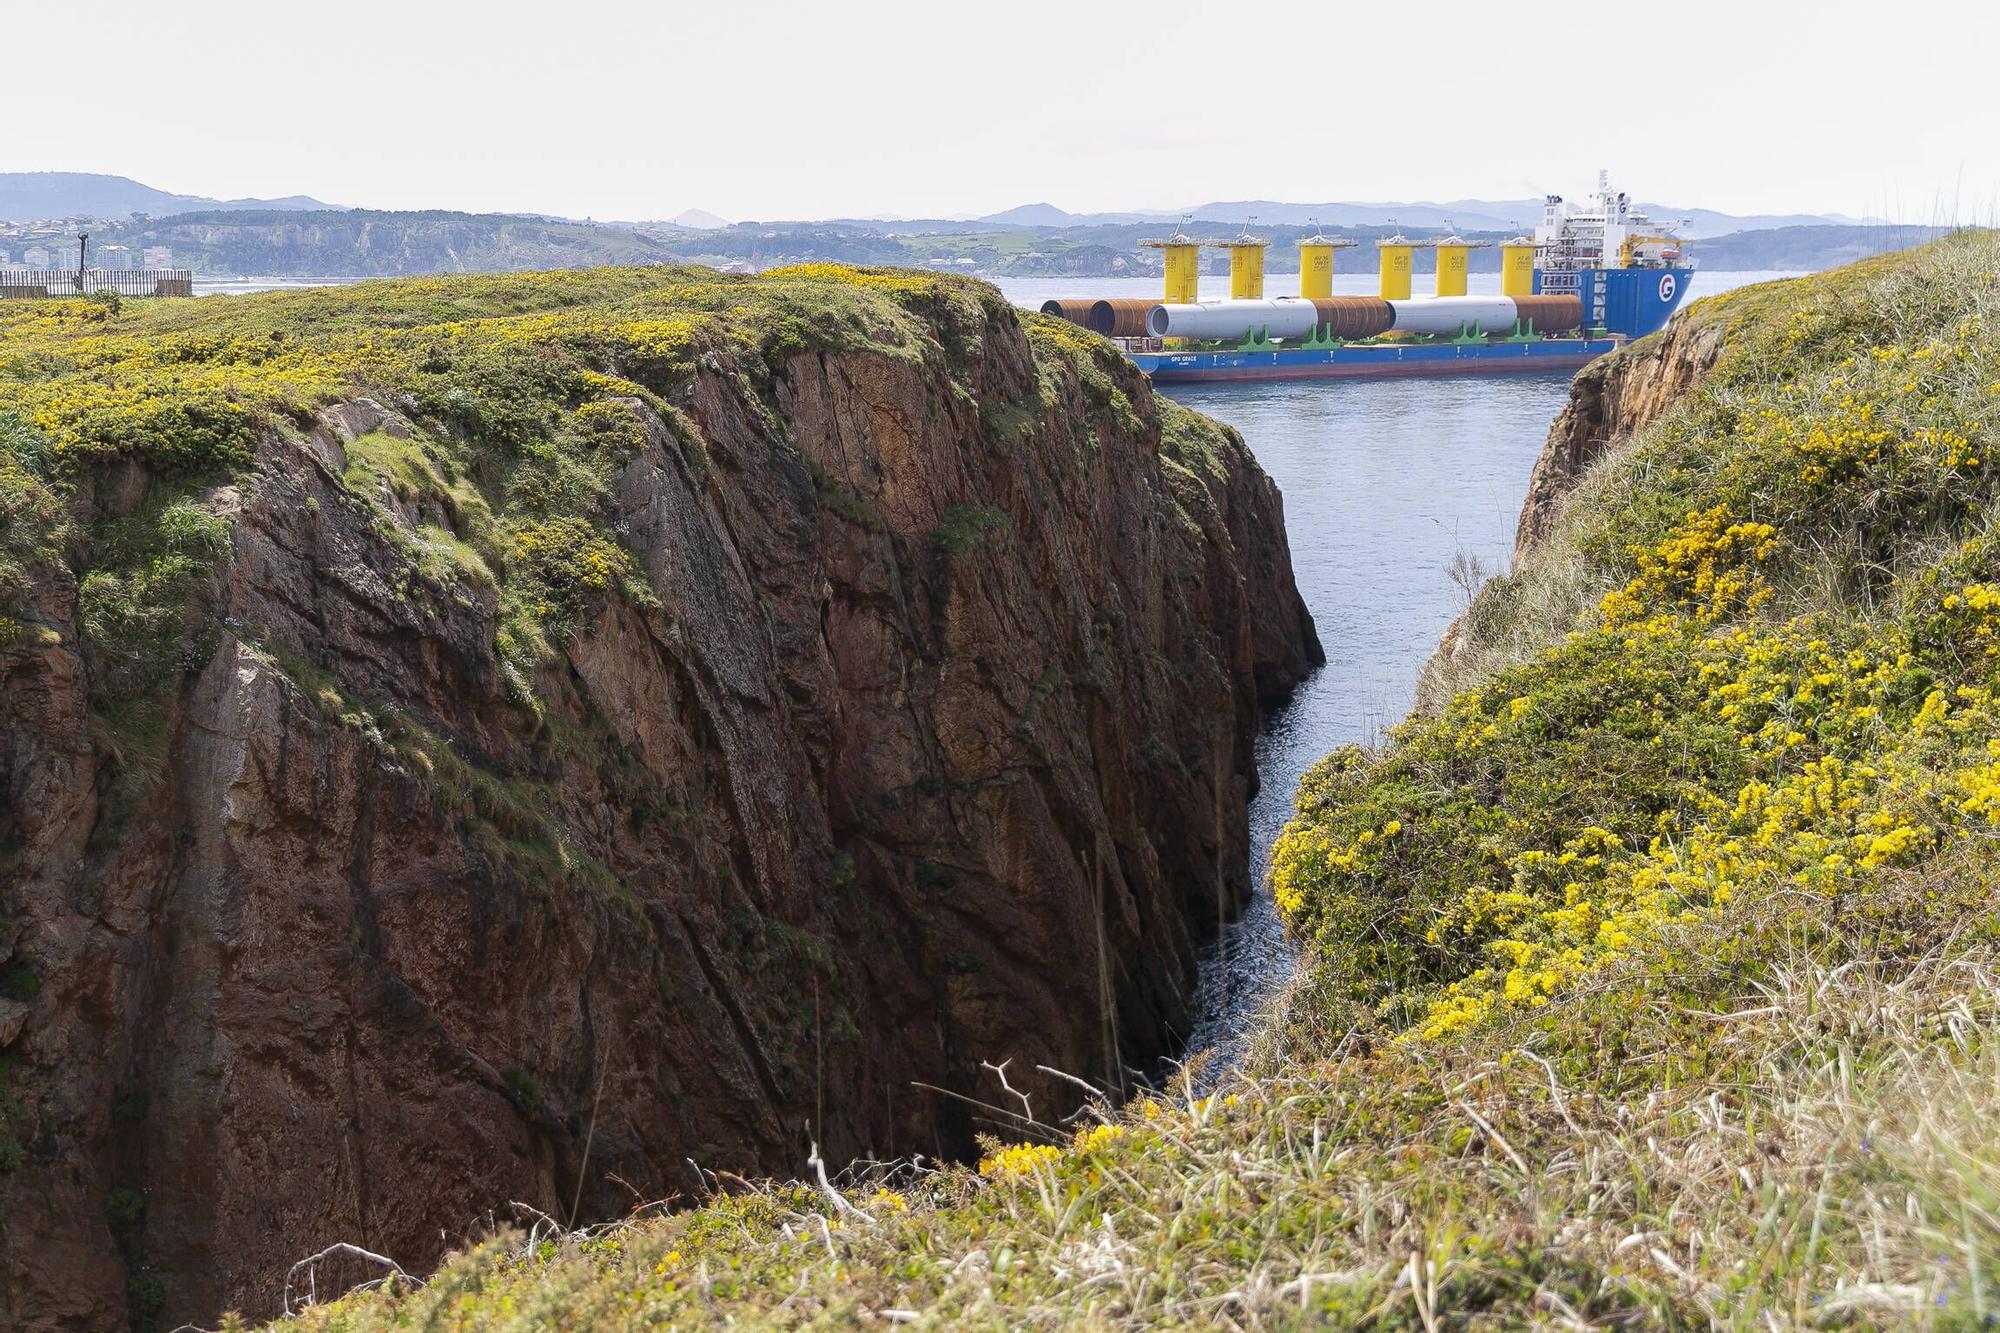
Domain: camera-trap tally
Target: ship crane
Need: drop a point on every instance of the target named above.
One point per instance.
(1669, 248)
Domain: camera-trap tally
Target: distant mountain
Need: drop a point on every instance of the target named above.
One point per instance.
(700, 219)
(1048, 215)
(26, 196)
(1704, 222)
(1467, 215)
(1464, 214)
(1031, 215)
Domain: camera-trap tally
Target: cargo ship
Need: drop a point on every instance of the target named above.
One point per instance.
(1590, 279)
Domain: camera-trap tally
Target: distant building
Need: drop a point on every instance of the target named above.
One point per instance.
(159, 256)
(35, 257)
(114, 257)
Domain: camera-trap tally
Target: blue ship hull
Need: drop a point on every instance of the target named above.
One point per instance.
(1629, 301)
(1374, 360)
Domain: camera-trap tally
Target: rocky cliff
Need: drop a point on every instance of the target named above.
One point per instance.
(534, 739)
(1611, 400)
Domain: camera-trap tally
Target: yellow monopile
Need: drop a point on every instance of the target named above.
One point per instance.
(1315, 268)
(1316, 264)
(1396, 269)
(1183, 273)
(1246, 270)
(1453, 263)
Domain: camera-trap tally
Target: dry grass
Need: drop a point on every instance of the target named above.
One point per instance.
(1781, 1141)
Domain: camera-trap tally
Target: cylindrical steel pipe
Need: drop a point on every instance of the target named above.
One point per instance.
(1282, 317)
(1353, 316)
(1551, 314)
(1449, 314)
(1122, 318)
(1074, 309)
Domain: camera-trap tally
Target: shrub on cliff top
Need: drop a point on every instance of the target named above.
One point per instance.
(530, 392)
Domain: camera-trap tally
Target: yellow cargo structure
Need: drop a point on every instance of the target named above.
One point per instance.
(1454, 262)
(1246, 267)
(1183, 266)
(1395, 252)
(1517, 267)
(1183, 274)
(1316, 265)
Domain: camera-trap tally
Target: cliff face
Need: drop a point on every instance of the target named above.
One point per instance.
(905, 725)
(1611, 400)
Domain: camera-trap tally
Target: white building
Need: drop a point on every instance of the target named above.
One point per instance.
(159, 256)
(35, 257)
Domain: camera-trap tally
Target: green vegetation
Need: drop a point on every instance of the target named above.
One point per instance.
(1655, 975)
(965, 529)
(527, 394)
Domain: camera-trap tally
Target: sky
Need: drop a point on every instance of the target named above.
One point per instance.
(640, 110)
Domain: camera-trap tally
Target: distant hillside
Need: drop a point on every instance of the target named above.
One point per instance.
(363, 243)
(26, 196)
(1807, 249)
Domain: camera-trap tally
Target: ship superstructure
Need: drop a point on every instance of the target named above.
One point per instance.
(1588, 280)
(1607, 232)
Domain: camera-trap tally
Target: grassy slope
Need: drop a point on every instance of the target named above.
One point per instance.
(1654, 976)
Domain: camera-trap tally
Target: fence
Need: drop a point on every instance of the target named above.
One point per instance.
(38, 284)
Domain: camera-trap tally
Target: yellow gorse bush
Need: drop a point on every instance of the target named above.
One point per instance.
(1690, 741)
(1019, 1159)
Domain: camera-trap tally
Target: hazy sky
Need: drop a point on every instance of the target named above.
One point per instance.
(764, 110)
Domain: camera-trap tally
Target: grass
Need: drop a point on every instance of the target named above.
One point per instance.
(1655, 974)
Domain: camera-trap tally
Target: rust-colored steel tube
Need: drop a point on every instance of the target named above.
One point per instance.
(1074, 309)
(1119, 319)
(1551, 314)
(1353, 316)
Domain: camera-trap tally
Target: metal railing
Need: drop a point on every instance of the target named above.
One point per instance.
(37, 284)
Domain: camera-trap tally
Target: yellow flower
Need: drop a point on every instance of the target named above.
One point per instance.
(1019, 1159)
